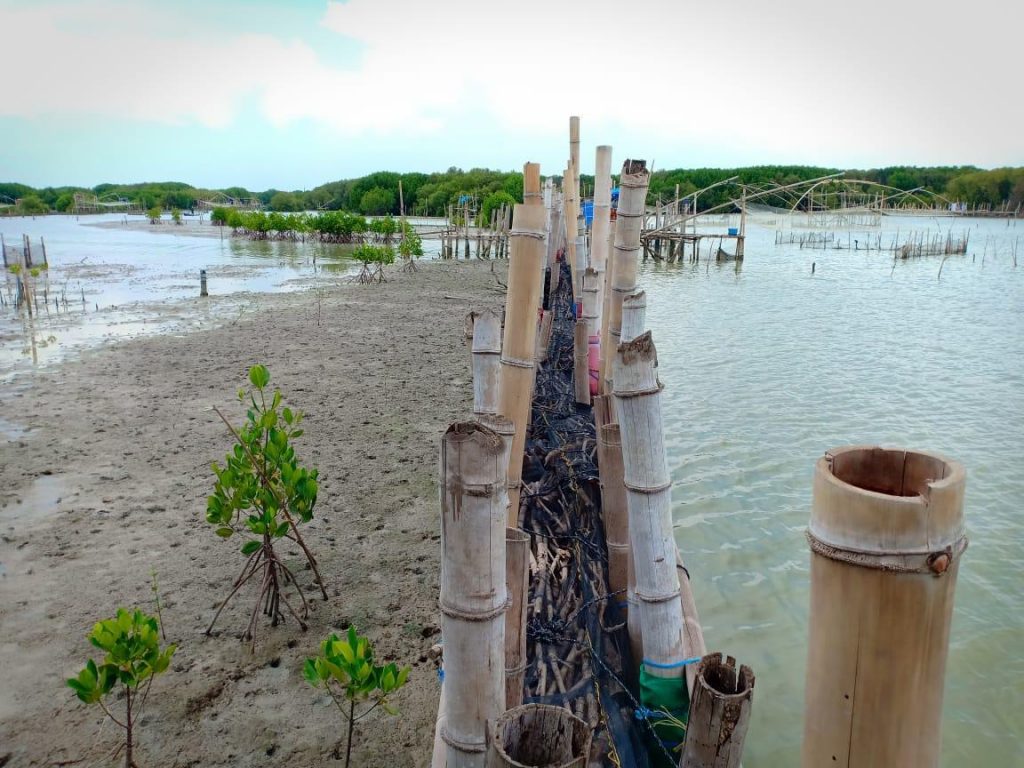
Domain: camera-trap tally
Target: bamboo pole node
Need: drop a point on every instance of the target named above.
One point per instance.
(528, 233)
(517, 363)
(457, 613)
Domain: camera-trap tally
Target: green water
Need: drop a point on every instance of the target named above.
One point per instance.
(767, 367)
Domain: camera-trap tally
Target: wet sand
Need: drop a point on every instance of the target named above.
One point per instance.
(104, 470)
(191, 226)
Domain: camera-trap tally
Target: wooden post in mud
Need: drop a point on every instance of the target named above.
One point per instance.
(3, 249)
(486, 361)
(886, 536)
(719, 714)
(473, 592)
(518, 348)
(541, 734)
(27, 251)
(648, 496)
(517, 570)
(202, 284)
(743, 226)
(632, 197)
(42, 246)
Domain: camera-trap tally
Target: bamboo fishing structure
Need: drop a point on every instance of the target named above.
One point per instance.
(648, 495)
(518, 353)
(886, 537)
(474, 596)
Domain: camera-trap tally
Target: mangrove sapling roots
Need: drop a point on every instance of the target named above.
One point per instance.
(262, 478)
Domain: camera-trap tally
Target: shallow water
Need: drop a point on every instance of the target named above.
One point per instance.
(765, 368)
(113, 277)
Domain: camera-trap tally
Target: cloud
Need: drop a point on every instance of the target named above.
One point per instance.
(803, 82)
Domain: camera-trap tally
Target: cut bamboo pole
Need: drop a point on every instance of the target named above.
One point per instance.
(474, 596)
(632, 197)
(531, 184)
(719, 714)
(648, 496)
(486, 361)
(886, 536)
(574, 144)
(592, 317)
(569, 187)
(613, 506)
(541, 735)
(634, 316)
(581, 375)
(518, 349)
(599, 232)
(517, 569)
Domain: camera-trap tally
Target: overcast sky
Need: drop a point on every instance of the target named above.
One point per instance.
(293, 94)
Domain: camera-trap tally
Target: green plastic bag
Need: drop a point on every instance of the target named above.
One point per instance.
(660, 695)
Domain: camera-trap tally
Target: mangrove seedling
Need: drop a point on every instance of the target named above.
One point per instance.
(261, 495)
(154, 214)
(376, 255)
(346, 670)
(132, 644)
(175, 215)
(410, 247)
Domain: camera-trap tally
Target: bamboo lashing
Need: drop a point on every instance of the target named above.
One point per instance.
(527, 250)
(629, 220)
(474, 596)
(886, 537)
(648, 496)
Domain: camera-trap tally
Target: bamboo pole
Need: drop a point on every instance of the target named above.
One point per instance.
(574, 144)
(592, 317)
(581, 376)
(473, 591)
(517, 577)
(632, 196)
(486, 361)
(634, 316)
(531, 184)
(613, 506)
(518, 349)
(541, 735)
(886, 536)
(599, 234)
(569, 225)
(648, 495)
(719, 714)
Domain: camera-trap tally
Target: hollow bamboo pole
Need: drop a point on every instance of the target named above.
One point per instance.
(517, 570)
(613, 506)
(574, 145)
(599, 231)
(648, 496)
(569, 224)
(532, 194)
(634, 316)
(518, 348)
(719, 714)
(629, 219)
(474, 596)
(581, 375)
(486, 361)
(541, 735)
(592, 317)
(886, 536)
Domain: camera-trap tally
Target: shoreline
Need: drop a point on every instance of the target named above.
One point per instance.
(106, 455)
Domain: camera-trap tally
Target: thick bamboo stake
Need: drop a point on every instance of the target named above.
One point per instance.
(569, 186)
(591, 316)
(600, 228)
(581, 375)
(632, 197)
(541, 735)
(574, 146)
(486, 361)
(473, 592)
(518, 349)
(531, 184)
(648, 495)
(886, 536)
(634, 316)
(517, 569)
(719, 714)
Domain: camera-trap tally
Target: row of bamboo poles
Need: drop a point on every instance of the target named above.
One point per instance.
(882, 591)
(490, 238)
(912, 244)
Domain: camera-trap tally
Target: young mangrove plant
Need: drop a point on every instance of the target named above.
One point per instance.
(346, 670)
(262, 495)
(154, 214)
(373, 257)
(410, 247)
(132, 644)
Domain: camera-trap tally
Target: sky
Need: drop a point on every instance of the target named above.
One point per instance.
(292, 94)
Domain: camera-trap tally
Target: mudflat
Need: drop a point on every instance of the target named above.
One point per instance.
(105, 469)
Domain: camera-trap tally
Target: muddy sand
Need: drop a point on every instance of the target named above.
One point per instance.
(105, 470)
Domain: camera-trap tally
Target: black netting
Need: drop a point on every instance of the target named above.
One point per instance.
(578, 648)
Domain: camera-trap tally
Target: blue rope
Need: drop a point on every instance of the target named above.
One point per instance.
(674, 665)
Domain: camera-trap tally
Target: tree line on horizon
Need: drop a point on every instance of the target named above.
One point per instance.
(423, 194)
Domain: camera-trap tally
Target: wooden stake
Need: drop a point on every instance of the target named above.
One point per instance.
(473, 592)
(886, 537)
(518, 349)
(719, 714)
(517, 570)
(648, 495)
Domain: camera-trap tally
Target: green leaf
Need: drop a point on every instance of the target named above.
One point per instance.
(250, 546)
(310, 673)
(259, 376)
(287, 414)
(225, 532)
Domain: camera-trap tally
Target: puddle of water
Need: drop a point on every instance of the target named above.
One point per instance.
(10, 431)
(40, 500)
